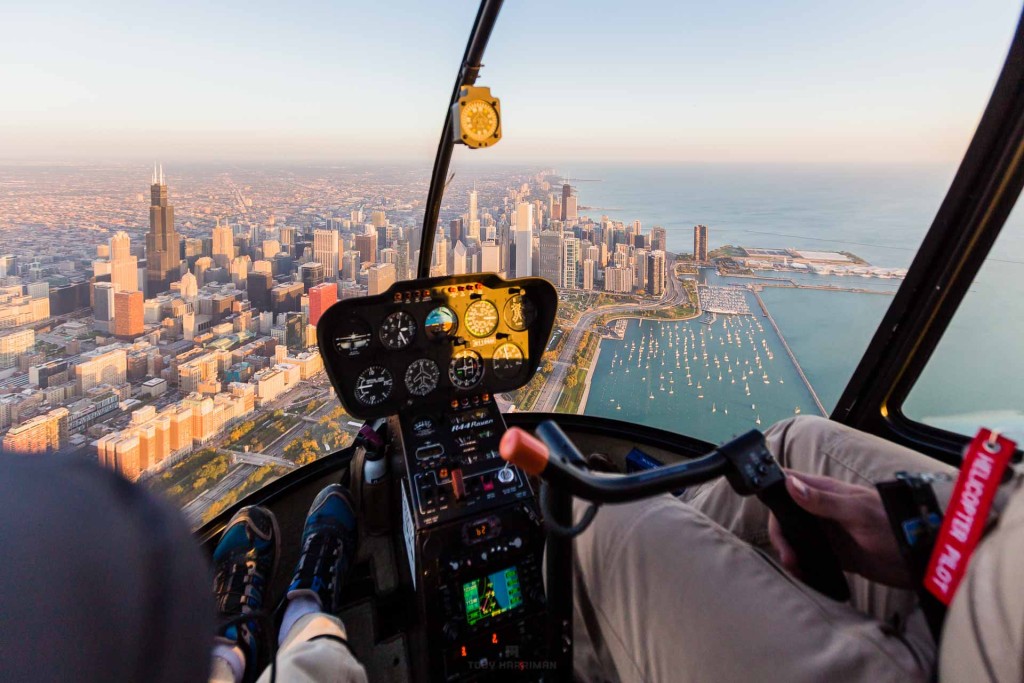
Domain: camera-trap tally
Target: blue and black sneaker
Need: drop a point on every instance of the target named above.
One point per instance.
(244, 564)
(328, 548)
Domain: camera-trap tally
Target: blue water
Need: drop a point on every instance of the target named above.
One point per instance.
(880, 214)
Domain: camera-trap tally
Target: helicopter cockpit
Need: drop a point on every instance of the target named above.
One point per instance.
(658, 245)
(453, 583)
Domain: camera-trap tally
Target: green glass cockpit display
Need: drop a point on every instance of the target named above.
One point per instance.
(492, 595)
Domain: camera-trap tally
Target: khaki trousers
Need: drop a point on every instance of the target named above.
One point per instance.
(312, 653)
(688, 589)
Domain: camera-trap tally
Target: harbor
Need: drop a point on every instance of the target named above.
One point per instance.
(731, 368)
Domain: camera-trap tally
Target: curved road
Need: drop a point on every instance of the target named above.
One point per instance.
(552, 389)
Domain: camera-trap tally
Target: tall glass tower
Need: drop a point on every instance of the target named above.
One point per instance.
(163, 246)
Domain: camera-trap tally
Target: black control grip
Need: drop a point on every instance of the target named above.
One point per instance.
(819, 565)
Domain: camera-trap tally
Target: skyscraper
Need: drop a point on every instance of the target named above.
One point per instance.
(124, 268)
(473, 229)
(320, 299)
(566, 193)
(128, 314)
(311, 274)
(103, 306)
(569, 210)
(551, 256)
(223, 244)
(380, 277)
(656, 273)
(258, 287)
(366, 245)
(570, 257)
(163, 246)
(459, 265)
(402, 262)
(523, 266)
(286, 297)
(658, 238)
(700, 243)
(490, 257)
(327, 252)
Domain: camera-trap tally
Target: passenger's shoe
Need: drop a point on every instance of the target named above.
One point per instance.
(328, 548)
(244, 564)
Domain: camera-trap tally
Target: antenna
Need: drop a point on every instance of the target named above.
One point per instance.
(161, 174)
(154, 173)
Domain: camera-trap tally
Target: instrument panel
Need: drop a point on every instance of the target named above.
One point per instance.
(427, 342)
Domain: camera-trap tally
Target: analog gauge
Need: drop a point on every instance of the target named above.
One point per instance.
(421, 377)
(466, 369)
(398, 330)
(508, 360)
(373, 385)
(352, 337)
(479, 120)
(519, 312)
(441, 323)
(481, 318)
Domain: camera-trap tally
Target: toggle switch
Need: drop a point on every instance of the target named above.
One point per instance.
(458, 485)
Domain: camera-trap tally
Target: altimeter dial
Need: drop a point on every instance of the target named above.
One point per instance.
(466, 369)
(481, 318)
(421, 377)
(398, 330)
(373, 386)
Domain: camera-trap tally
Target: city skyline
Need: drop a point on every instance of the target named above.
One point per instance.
(178, 336)
(92, 364)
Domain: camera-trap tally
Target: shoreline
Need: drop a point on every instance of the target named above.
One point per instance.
(590, 374)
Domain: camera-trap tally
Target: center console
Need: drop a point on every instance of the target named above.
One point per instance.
(430, 355)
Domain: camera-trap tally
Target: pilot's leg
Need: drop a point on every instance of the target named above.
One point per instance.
(313, 643)
(316, 650)
(820, 446)
(663, 593)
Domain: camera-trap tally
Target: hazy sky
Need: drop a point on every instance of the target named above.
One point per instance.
(339, 80)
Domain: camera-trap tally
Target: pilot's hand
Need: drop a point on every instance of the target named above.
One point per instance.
(856, 524)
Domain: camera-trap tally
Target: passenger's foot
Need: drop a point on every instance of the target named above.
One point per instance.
(244, 564)
(328, 549)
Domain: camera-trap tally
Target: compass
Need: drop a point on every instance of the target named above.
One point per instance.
(478, 117)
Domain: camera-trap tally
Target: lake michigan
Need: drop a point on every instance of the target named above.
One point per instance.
(879, 213)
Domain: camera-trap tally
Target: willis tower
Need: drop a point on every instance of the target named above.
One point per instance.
(163, 246)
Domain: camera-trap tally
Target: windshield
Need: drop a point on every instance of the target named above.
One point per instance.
(726, 208)
(726, 201)
(179, 205)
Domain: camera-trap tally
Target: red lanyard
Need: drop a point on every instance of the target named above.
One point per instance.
(980, 475)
